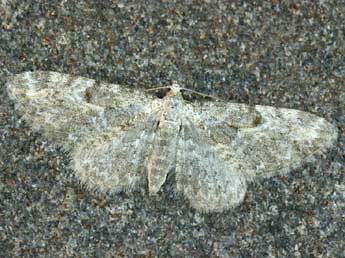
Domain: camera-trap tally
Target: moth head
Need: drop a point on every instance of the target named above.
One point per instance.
(167, 91)
(175, 89)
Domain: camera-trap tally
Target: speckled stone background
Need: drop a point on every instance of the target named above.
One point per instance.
(280, 53)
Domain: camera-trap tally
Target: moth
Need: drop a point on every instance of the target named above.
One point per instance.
(121, 139)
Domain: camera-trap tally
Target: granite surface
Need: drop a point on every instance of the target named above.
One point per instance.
(278, 53)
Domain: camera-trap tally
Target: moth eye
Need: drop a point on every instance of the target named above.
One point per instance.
(161, 93)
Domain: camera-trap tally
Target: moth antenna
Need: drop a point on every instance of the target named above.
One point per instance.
(157, 88)
(175, 84)
(202, 94)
